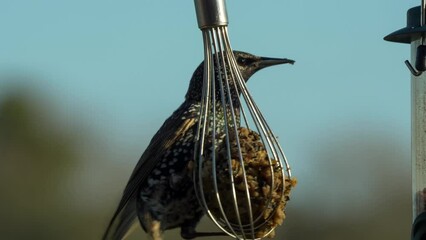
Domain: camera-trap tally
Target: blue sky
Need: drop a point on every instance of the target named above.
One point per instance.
(124, 66)
(129, 60)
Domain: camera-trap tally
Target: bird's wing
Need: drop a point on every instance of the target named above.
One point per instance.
(172, 129)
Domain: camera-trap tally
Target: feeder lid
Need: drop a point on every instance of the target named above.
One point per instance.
(413, 30)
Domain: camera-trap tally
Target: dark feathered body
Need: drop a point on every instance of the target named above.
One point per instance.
(160, 192)
(168, 192)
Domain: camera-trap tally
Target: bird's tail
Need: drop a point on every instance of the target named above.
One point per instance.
(122, 222)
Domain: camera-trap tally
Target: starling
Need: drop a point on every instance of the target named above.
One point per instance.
(160, 191)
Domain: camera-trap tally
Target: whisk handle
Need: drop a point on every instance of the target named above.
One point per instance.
(211, 13)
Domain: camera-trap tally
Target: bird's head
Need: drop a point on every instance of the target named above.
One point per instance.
(247, 63)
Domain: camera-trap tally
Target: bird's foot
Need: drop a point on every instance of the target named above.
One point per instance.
(155, 230)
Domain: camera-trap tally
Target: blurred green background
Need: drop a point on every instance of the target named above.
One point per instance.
(84, 85)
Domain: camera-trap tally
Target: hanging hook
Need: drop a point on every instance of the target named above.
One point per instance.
(420, 64)
(412, 70)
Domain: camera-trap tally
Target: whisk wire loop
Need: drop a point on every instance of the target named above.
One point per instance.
(241, 183)
(259, 120)
(222, 58)
(224, 91)
(207, 113)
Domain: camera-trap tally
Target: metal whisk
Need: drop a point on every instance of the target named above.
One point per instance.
(241, 175)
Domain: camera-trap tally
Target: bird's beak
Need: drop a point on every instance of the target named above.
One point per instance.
(267, 62)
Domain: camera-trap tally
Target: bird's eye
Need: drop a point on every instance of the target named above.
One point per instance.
(242, 61)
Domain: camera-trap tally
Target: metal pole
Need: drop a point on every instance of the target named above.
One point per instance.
(414, 34)
(418, 137)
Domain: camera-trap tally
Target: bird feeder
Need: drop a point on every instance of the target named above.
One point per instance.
(414, 34)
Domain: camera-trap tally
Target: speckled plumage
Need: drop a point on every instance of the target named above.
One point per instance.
(168, 193)
(160, 191)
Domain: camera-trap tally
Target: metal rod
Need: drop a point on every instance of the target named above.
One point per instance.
(202, 124)
(221, 73)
